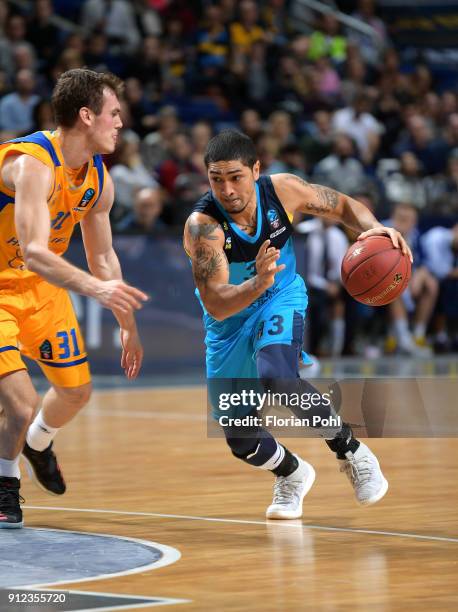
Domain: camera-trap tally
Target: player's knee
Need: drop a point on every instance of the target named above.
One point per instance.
(21, 415)
(75, 396)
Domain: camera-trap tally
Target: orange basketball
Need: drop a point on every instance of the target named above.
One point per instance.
(374, 272)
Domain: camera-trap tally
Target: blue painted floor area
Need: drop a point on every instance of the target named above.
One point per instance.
(41, 556)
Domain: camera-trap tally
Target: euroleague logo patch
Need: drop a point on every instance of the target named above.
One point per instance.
(273, 218)
(87, 197)
(46, 350)
(357, 251)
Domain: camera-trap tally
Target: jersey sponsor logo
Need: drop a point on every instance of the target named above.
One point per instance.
(278, 232)
(273, 218)
(17, 262)
(87, 197)
(45, 350)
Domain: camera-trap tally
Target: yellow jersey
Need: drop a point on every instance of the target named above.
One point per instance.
(68, 202)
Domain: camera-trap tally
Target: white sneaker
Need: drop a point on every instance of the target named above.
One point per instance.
(289, 491)
(363, 471)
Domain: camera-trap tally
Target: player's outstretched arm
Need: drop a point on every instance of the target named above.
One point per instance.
(298, 195)
(104, 264)
(204, 243)
(33, 227)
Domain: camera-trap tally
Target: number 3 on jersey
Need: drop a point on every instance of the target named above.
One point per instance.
(272, 327)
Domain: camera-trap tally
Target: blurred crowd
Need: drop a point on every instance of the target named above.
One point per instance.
(326, 102)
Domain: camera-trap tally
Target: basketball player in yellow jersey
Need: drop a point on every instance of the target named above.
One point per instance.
(49, 181)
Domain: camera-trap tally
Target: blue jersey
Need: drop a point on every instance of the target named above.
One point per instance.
(273, 223)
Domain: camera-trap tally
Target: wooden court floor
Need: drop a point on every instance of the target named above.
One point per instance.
(145, 456)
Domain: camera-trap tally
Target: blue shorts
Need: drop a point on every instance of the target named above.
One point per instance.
(232, 345)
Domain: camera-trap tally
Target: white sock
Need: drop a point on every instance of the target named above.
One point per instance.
(402, 333)
(275, 460)
(338, 336)
(10, 468)
(419, 331)
(40, 434)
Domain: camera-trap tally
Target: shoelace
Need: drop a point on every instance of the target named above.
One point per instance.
(9, 498)
(360, 469)
(284, 490)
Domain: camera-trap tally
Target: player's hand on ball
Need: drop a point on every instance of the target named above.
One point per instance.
(396, 238)
(266, 264)
(132, 352)
(117, 295)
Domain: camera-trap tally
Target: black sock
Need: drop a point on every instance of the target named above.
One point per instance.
(343, 442)
(287, 466)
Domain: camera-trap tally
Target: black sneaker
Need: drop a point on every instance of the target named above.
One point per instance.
(10, 510)
(44, 469)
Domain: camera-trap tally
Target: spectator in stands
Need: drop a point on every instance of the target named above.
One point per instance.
(357, 122)
(292, 160)
(178, 162)
(42, 33)
(43, 116)
(129, 173)
(340, 170)
(419, 138)
(280, 126)
(420, 298)
(407, 185)
(257, 78)
(144, 217)
(146, 67)
(156, 145)
(440, 245)
(451, 131)
(15, 34)
(99, 57)
(327, 80)
(275, 17)
(251, 123)
(149, 18)
(290, 86)
(442, 189)
(116, 19)
(318, 142)
(371, 47)
(201, 132)
(325, 248)
(328, 41)
(141, 109)
(246, 30)
(268, 149)
(212, 41)
(16, 108)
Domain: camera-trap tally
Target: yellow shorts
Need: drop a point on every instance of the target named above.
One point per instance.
(37, 320)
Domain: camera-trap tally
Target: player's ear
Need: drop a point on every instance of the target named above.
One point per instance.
(256, 170)
(85, 115)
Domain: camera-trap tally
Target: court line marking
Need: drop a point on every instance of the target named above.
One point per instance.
(169, 555)
(399, 534)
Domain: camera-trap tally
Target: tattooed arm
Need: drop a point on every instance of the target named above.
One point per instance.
(298, 195)
(204, 243)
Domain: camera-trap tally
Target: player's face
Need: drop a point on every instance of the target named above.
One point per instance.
(107, 124)
(233, 184)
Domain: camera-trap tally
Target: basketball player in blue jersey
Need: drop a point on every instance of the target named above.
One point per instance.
(239, 241)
